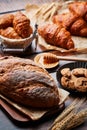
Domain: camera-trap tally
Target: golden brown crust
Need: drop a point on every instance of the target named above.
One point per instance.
(56, 35)
(26, 83)
(6, 21)
(22, 25)
(66, 19)
(9, 33)
(80, 8)
(79, 28)
(73, 23)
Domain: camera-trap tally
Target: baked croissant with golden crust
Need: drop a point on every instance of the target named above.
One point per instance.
(6, 20)
(9, 33)
(72, 22)
(56, 35)
(21, 25)
(80, 8)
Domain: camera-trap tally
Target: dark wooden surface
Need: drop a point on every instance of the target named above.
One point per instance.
(6, 122)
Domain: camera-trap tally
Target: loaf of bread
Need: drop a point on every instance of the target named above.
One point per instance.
(22, 81)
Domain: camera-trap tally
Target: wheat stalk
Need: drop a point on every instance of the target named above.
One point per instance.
(68, 110)
(62, 124)
(70, 117)
(78, 119)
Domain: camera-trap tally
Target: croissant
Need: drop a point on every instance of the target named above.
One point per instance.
(72, 22)
(80, 8)
(21, 25)
(6, 20)
(9, 33)
(56, 35)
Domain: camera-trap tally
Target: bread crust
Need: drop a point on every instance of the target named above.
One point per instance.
(26, 83)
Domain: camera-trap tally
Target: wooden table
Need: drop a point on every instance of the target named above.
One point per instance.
(6, 122)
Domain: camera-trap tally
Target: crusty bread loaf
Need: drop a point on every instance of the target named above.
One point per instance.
(26, 83)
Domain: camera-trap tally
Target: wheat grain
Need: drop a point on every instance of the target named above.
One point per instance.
(65, 112)
(62, 124)
(64, 121)
(78, 119)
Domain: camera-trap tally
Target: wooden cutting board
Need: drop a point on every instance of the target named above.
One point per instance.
(23, 114)
(19, 116)
(13, 112)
